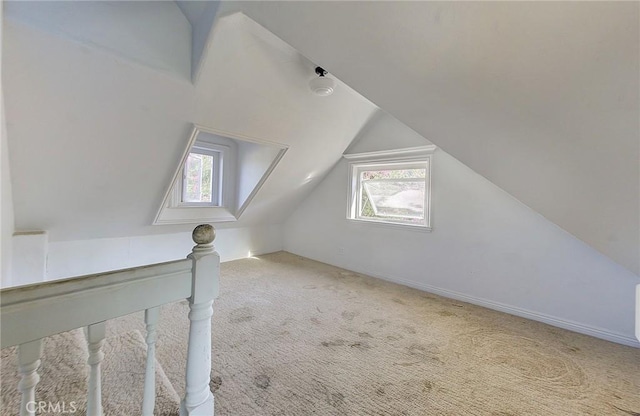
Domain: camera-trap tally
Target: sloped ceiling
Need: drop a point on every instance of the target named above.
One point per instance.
(155, 34)
(95, 136)
(192, 10)
(539, 97)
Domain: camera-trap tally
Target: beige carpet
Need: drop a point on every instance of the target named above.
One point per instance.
(63, 373)
(64, 376)
(297, 337)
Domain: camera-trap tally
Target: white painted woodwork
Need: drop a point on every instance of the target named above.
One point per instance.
(198, 399)
(149, 398)
(46, 305)
(381, 160)
(28, 363)
(245, 170)
(95, 334)
(409, 152)
(97, 298)
(638, 312)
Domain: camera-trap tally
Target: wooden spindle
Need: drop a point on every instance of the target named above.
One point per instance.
(638, 312)
(95, 339)
(149, 397)
(198, 399)
(28, 361)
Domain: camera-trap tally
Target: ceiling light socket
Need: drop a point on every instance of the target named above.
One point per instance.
(322, 86)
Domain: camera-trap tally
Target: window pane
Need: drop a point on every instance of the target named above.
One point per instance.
(394, 174)
(397, 194)
(198, 175)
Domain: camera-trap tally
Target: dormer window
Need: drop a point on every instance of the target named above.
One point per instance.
(218, 176)
(202, 177)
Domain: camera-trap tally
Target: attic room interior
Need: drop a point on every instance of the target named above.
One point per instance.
(320, 208)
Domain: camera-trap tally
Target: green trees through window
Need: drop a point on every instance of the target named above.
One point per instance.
(198, 178)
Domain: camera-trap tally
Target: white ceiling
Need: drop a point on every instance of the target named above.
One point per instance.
(155, 34)
(192, 10)
(94, 137)
(539, 97)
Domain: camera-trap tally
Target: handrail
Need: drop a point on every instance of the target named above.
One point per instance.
(38, 290)
(39, 310)
(32, 312)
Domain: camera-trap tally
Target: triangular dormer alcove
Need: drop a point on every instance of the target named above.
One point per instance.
(218, 176)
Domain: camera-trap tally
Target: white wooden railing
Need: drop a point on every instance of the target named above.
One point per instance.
(30, 313)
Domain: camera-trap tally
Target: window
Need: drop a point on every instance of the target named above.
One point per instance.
(202, 180)
(202, 177)
(218, 176)
(391, 191)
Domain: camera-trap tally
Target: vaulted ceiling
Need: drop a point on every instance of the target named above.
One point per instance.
(539, 97)
(96, 131)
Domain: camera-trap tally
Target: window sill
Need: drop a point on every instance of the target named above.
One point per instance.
(405, 227)
(193, 215)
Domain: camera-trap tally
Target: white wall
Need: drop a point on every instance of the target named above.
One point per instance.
(79, 257)
(136, 30)
(6, 204)
(99, 138)
(383, 131)
(253, 161)
(486, 248)
(6, 216)
(541, 98)
(29, 252)
(200, 35)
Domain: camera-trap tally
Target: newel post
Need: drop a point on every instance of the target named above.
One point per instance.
(198, 399)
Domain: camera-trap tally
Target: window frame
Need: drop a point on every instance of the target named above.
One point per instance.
(418, 158)
(231, 207)
(218, 152)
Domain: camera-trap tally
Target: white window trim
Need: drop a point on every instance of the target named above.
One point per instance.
(170, 214)
(219, 193)
(408, 158)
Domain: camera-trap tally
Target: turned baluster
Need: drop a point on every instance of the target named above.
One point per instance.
(95, 339)
(149, 397)
(28, 362)
(638, 312)
(198, 400)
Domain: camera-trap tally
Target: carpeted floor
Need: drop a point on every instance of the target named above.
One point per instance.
(296, 337)
(64, 377)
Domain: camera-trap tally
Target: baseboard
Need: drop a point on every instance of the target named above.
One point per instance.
(512, 310)
(523, 313)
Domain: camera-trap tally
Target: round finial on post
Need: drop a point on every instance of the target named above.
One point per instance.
(203, 234)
